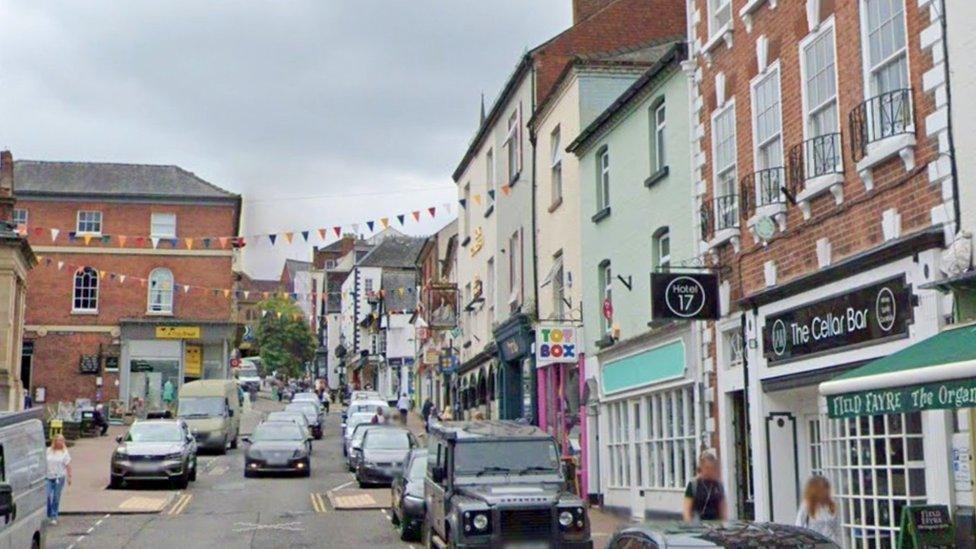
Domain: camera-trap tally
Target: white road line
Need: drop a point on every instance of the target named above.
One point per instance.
(341, 486)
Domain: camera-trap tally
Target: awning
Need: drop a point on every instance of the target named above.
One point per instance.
(935, 374)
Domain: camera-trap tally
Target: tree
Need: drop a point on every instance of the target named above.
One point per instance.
(285, 339)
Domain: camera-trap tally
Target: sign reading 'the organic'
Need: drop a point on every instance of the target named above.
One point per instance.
(685, 296)
(869, 314)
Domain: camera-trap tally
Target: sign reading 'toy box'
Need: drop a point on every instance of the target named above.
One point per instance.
(556, 344)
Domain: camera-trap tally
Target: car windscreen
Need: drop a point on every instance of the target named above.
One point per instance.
(356, 420)
(363, 408)
(306, 408)
(201, 407)
(506, 456)
(418, 468)
(278, 430)
(154, 432)
(247, 372)
(288, 416)
(387, 439)
(305, 397)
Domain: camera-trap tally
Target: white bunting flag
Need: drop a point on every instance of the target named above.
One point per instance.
(54, 234)
(60, 265)
(155, 241)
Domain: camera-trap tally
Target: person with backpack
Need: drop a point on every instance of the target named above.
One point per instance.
(704, 495)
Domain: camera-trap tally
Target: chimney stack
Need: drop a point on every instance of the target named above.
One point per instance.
(583, 9)
(6, 186)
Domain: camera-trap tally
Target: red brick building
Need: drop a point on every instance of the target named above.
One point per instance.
(824, 203)
(133, 290)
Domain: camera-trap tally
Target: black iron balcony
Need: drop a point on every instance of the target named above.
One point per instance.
(721, 214)
(763, 188)
(880, 117)
(815, 157)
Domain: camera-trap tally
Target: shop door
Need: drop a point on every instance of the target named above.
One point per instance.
(783, 466)
(743, 458)
(511, 393)
(148, 386)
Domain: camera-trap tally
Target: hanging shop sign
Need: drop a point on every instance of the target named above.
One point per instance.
(867, 315)
(177, 332)
(556, 344)
(89, 364)
(687, 296)
(478, 242)
(945, 395)
(193, 361)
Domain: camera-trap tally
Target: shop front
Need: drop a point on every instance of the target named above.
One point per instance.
(560, 384)
(158, 357)
(516, 378)
(827, 324)
(472, 381)
(650, 421)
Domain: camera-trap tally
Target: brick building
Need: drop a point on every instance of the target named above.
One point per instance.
(134, 288)
(824, 202)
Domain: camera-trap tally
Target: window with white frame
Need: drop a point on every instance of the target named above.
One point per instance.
(669, 440)
(512, 146)
(876, 465)
(606, 291)
(85, 295)
(490, 290)
(662, 248)
(20, 218)
(603, 179)
(368, 286)
(89, 222)
(163, 225)
(490, 174)
(719, 15)
(556, 166)
(558, 287)
(514, 270)
(467, 209)
(822, 151)
(161, 291)
(886, 45)
(723, 137)
(658, 125)
(620, 444)
(768, 122)
(732, 347)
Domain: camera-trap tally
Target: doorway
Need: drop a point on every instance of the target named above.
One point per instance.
(744, 493)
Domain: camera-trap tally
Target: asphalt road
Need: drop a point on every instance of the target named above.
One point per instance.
(223, 509)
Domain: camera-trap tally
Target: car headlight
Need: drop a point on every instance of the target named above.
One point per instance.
(298, 453)
(573, 518)
(480, 522)
(565, 519)
(476, 521)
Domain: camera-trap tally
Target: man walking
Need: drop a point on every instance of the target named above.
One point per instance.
(404, 406)
(425, 413)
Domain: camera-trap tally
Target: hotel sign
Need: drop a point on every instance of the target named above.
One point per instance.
(867, 315)
(684, 296)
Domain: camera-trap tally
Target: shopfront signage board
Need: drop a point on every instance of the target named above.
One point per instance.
(193, 361)
(556, 345)
(945, 395)
(870, 314)
(684, 296)
(177, 332)
(926, 526)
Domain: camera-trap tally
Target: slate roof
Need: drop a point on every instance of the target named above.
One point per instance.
(394, 299)
(394, 252)
(88, 179)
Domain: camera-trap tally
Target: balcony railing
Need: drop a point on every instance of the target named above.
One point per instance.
(880, 117)
(813, 158)
(722, 213)
(763, 188)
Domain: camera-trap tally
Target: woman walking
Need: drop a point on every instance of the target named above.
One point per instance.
(818, 512)
(58, 473)
(704, 495)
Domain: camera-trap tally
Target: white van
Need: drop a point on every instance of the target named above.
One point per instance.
(23, 490)
(212, 409)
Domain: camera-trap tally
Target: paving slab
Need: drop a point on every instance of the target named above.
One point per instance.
(360, 499)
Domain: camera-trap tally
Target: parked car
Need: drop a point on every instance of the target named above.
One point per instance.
(407, 491)
(499, 483)
(361, 396)
(212, 409)
(157, 449)
(382, 454)
(308, 397)
(23, 488)
(729, 534)
(355, 444)
(277, 446)
(350, 425)
(296, 417)
(248, 376)
(311, 414)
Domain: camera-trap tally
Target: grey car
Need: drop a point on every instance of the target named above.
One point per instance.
(353, 447)
(717, 534)
(382, 454)
(296, 417)
(155, 450)
(312, 414)
(277, 446)
(407, 492)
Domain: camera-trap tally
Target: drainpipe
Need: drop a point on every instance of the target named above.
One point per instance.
(943, 22)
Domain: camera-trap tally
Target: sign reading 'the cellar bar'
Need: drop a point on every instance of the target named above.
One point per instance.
(869, 314)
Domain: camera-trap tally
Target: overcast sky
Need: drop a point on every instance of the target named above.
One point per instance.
(320, 112)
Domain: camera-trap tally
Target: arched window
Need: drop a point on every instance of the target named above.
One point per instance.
(662, 248)
(160, 291)
(86, 291)
(491, 383)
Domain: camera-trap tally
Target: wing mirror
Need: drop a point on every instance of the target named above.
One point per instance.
(8, 509)
(437, 474)
(118, 439)
(246, 439)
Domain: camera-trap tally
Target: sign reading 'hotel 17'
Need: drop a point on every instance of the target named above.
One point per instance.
(866, 315)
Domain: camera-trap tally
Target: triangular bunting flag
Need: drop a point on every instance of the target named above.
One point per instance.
(400, 218)
(416, 215)
(506, 190)
(447, 207)
(112, 276)
(491, 194)
(88, 239)
(38, 231)
(246, 293)
(385, 221)
(223, 241)
(102, 274)
(355, 228)
(370, 225)
(155, 241)
(338, 230)
(432, 211)
(463, 202)
(60, 265)
(305, 235)
(189, 243)
(321, 234)
(106, 239)
(122, 238)
(54, 234)
(279, 314)
(272, 238)
(121, 279)
(186, 288)
(226, 293)
(477, 199)
(288, 237)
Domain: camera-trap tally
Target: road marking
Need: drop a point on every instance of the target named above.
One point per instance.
(217, 471)
(81, 538)
(341, 486)
(181, 504)
(318, 503)
(253, 527)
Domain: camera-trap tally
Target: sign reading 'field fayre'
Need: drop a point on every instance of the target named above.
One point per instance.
(556, 344)
(870, 314)
(946, 395)
(685, 296)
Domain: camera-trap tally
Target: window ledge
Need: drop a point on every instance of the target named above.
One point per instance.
(725, 235)
(750, 8)
(656, 177)
(601, 215)
(833, 182)
(556, 204)
(902, 144)
(723, 34)
(491, 208)
(159, 313)
(82, 312)
(776, 211)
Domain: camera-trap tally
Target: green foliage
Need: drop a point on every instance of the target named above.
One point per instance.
(284, 337)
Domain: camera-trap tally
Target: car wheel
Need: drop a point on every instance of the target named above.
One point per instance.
(248, 473)
(116, 483)
(193, 472)
(233, 443)
(183, 480)
(394, 517)
(223, 447)
(405, 533)
(36, 541)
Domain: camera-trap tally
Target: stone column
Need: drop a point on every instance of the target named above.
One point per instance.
(16, 259)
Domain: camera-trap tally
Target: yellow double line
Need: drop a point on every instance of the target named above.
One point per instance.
(181, 503)
(318, 503)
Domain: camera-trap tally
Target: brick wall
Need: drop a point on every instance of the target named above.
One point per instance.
(56, 364)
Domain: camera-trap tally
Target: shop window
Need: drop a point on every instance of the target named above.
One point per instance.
(161, 291)
(877, 466)
(669, 440)
(85, 291)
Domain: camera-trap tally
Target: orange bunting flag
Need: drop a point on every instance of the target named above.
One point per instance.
(322, 234)
(101, 274)
(88, 238)
(477, 199)
(189, 243)
(122, 238)
(226, 293)
(385, 221)
(416, 215)
(288, 237)
(223, 241)
(506, 189)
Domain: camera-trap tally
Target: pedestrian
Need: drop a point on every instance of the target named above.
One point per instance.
(379, 418)
(425, 412)
(432, 417)
(58, 473)
(404, 406)
(704, 495)
(99, 420)
(818, 511)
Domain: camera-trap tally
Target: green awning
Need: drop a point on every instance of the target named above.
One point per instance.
(933, 374)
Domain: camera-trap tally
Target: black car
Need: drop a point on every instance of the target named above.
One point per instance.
(277, 446)
(716, 534)
(408, 495)
(382, 454)
(155, 450)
